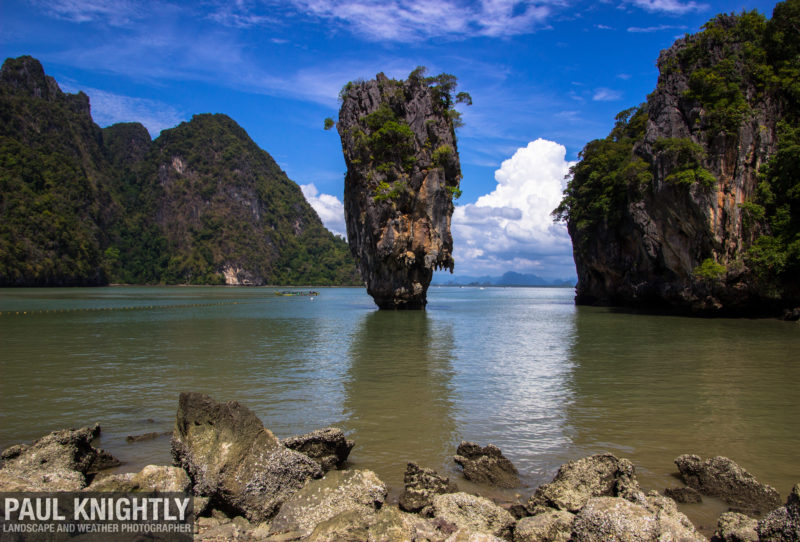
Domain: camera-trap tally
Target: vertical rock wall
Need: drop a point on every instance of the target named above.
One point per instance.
(648, 254)
(403, 170)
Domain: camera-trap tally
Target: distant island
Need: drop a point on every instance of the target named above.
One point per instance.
(509, 278)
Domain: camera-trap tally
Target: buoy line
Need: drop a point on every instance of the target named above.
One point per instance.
(126, 308)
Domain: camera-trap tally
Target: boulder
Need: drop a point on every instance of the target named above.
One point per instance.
(360, 491)
(683, 494)
(467, 535)
(670, 520)
(486, 465)
(474, 513)
(233, 459)
(60, 461)
(735, 527)
(328, 446)
(550, 526)
(723, 478)
(388, 523)
(613, 518)
(146, 436)
(151, 478)
(602, 475)
(782, 524)
(421, 485)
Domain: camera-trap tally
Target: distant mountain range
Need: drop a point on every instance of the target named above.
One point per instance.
(510, 278)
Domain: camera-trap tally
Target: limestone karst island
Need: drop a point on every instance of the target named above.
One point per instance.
(265, 276)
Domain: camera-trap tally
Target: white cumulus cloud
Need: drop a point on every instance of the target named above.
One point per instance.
(329, 208)
(511, 228)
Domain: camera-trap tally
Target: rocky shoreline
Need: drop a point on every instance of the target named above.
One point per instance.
(250, 485)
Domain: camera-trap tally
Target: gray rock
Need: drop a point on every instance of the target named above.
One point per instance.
(683, 494)
(612, 518)
(486, 465)
(468, 535)
(388, 524)
(474, 513)
(602, 475)
(723, 478)
(150, 478)
(735, 527)
(782, 524)
(670, 520)
(550, 526)
(329, 447)
(519, 511)
(146, 436)
(199, 504)
(231, 458)
(220, 533)
(338, 492)
(421, 485)
(59, 461)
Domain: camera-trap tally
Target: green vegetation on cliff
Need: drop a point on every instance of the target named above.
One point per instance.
(203, 202)
(598, 189)
(765, 55)
(735, 84)
(385, 140)
(53, 201)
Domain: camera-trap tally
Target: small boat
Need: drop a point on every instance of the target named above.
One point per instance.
(296, 293)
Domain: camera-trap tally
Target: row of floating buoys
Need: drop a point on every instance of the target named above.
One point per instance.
(129, 308)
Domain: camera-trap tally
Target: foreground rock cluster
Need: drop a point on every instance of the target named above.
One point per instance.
(249, 485)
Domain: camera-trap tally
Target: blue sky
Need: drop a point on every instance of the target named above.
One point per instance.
(545, 78)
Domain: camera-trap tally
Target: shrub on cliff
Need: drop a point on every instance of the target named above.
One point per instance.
(597, 190)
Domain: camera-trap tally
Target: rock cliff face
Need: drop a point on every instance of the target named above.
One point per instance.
(202, 203)
(403, 171)
(676, 222)
(54, 200)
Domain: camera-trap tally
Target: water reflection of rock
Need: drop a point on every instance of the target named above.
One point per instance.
(398, 394)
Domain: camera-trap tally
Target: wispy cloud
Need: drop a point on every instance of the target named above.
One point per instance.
(603, 27)
(109, 108)
(410, 20)
(239, 14)
(673, 7)
(659, 28)
(113, 12)
(606, 95)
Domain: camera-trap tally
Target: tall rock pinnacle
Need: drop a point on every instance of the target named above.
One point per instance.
(399, 144)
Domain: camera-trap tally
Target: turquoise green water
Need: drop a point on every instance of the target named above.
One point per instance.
(520, 367)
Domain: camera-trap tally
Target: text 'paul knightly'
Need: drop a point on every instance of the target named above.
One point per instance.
(96, 509)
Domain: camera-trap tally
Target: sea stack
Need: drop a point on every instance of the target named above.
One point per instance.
(403, 171)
